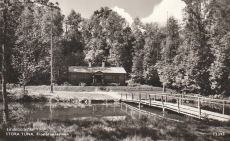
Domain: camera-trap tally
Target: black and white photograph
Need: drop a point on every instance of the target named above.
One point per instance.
(115, 70)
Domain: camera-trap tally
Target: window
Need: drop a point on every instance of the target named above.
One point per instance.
(87, 76)
(115, 76)
(121, 77)
(108, 77)
(73, 76)
(79, 76)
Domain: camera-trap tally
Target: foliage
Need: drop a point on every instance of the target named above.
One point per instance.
(108, 37)
(153, 37)
(23, 58)
(220, 44)
(138, 54)
(190, 57)
(31, 46)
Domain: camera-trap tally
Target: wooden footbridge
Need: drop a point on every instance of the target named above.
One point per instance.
(195, 106)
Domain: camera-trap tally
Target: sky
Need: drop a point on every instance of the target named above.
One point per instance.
(147, 10)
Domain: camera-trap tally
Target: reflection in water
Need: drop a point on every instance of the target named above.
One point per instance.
(135, 111)
(30, 112)
(22, 112)
(51, 115)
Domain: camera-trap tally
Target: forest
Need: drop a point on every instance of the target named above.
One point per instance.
(189, 56)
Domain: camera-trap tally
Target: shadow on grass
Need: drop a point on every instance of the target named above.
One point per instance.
(143, 128)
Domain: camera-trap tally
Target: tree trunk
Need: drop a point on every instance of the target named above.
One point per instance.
(4, 94)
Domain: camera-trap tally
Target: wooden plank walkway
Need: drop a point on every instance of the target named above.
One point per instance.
(140, 112)
(179, 106)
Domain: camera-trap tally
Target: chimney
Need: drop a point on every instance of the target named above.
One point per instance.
(103, 64)
(90, 64)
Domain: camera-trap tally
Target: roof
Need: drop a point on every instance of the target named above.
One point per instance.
(82, 69)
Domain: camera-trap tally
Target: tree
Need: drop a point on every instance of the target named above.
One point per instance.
(197, 38)
(47, 17)
(138, 54)
(170, 42)
(108, 31)
(4, 47)
(122, 51)
(219, 27)
(23, 59)
(10, 12)
(32, 47)
(153, 38)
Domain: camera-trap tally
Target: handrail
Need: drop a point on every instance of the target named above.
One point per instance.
(187, 97)
(211, 99)
(180, 100)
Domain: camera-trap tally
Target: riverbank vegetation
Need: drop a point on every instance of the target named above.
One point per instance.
(130, 129)
(97, 88)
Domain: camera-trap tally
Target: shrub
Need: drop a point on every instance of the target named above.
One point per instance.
(82, 84)
(66, 84)
(10, 86)
(114, 84)
(27, 98)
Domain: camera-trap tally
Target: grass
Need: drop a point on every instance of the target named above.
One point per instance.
(45, 98)
(129, 129)
(17, 95)
(70, 93)
(93, 88)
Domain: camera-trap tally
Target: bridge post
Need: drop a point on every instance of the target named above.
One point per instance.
(162, 100)
(139, 101)
(149, 100)
(126, 96)
(145, 96)
(126, 108)
(178, 104)
(181, 100)
(199, 109)
(132, 96)
(164, 88)
(121, 96)
(223, 106)
(166, 97)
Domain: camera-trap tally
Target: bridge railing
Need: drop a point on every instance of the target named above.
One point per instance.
(201, 103)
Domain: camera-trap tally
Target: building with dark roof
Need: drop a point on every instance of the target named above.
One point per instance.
(96, 75)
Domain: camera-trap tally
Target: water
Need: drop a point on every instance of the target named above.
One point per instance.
(62, 111)
(28, 111)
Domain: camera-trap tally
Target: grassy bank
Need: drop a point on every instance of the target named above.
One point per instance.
(17, 95)
(96, 88)
(93, 129)
(73, 93)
